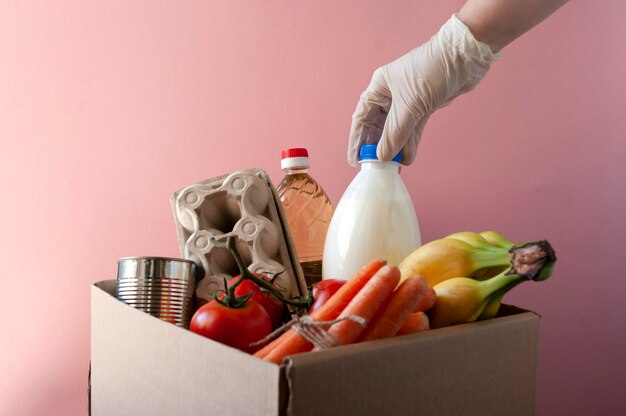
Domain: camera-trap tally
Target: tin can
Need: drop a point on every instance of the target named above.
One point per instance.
(160, 286)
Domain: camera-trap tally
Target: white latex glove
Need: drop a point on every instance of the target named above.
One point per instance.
(403, 94)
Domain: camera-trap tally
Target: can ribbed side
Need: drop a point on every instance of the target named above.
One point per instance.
(169, 299)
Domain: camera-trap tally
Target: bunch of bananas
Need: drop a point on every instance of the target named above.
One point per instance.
(470, 273)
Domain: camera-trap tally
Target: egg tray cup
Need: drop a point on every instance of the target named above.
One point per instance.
(245, 205)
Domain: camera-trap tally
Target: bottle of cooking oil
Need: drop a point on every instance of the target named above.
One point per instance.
(308, 211)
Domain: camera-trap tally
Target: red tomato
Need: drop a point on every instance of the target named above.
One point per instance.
(323, 290)
(236, 327)
(272, 305)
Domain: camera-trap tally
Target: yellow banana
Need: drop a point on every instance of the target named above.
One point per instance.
(496, 239)
(491, 309)
(462, 299)
(473, 239)
(445, 258)
(484, 240)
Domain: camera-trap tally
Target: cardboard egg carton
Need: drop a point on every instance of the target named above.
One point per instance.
(245, 205)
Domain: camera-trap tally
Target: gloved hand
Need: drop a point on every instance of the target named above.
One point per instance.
(403, 94)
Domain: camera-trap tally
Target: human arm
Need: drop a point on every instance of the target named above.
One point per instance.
(499, 22)
(402, 95)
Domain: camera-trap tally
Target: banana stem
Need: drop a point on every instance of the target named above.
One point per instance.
(489, 258)
(496, 239)
(530, 261)
(499, 284)
(533, 260)
(493, 290)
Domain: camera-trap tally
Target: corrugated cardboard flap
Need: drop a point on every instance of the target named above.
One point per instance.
(466, 369)
(144, 366)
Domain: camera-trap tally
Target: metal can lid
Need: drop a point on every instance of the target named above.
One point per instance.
(155, 267)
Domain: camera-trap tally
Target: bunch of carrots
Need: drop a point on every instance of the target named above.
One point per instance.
(374, 295)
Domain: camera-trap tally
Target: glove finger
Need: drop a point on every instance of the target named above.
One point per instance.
(369, 117)
(398, 128)
(356, 133)
(359, 129)
(410, 148)
(378, 91)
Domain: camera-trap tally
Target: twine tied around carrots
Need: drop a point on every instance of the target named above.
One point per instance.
(311, 330)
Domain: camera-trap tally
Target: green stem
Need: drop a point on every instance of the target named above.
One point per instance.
(500, 284)
(491, 257)
(230, 298)
(246, 274)
(496, 239)
(529, 261)
(532, 260)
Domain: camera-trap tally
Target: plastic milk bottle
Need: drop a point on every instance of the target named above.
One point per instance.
(375, 218)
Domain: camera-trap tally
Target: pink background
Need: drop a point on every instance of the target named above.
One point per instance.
(106, 108)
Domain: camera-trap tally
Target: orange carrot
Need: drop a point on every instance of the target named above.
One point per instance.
(365, 305)
(291, 343)
(415, 322)
(391, 316)
(427, 302)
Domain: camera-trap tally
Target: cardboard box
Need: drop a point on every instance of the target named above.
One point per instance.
(143, 366)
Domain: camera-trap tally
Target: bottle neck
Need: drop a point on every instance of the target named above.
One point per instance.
(295, 170)
(380, 165)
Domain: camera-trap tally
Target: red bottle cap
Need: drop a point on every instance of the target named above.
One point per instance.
(294, 152)
(294, 158)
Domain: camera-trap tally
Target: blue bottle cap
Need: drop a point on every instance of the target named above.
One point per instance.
(368, 152)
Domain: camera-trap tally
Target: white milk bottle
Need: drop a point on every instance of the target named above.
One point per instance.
(375, 218)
